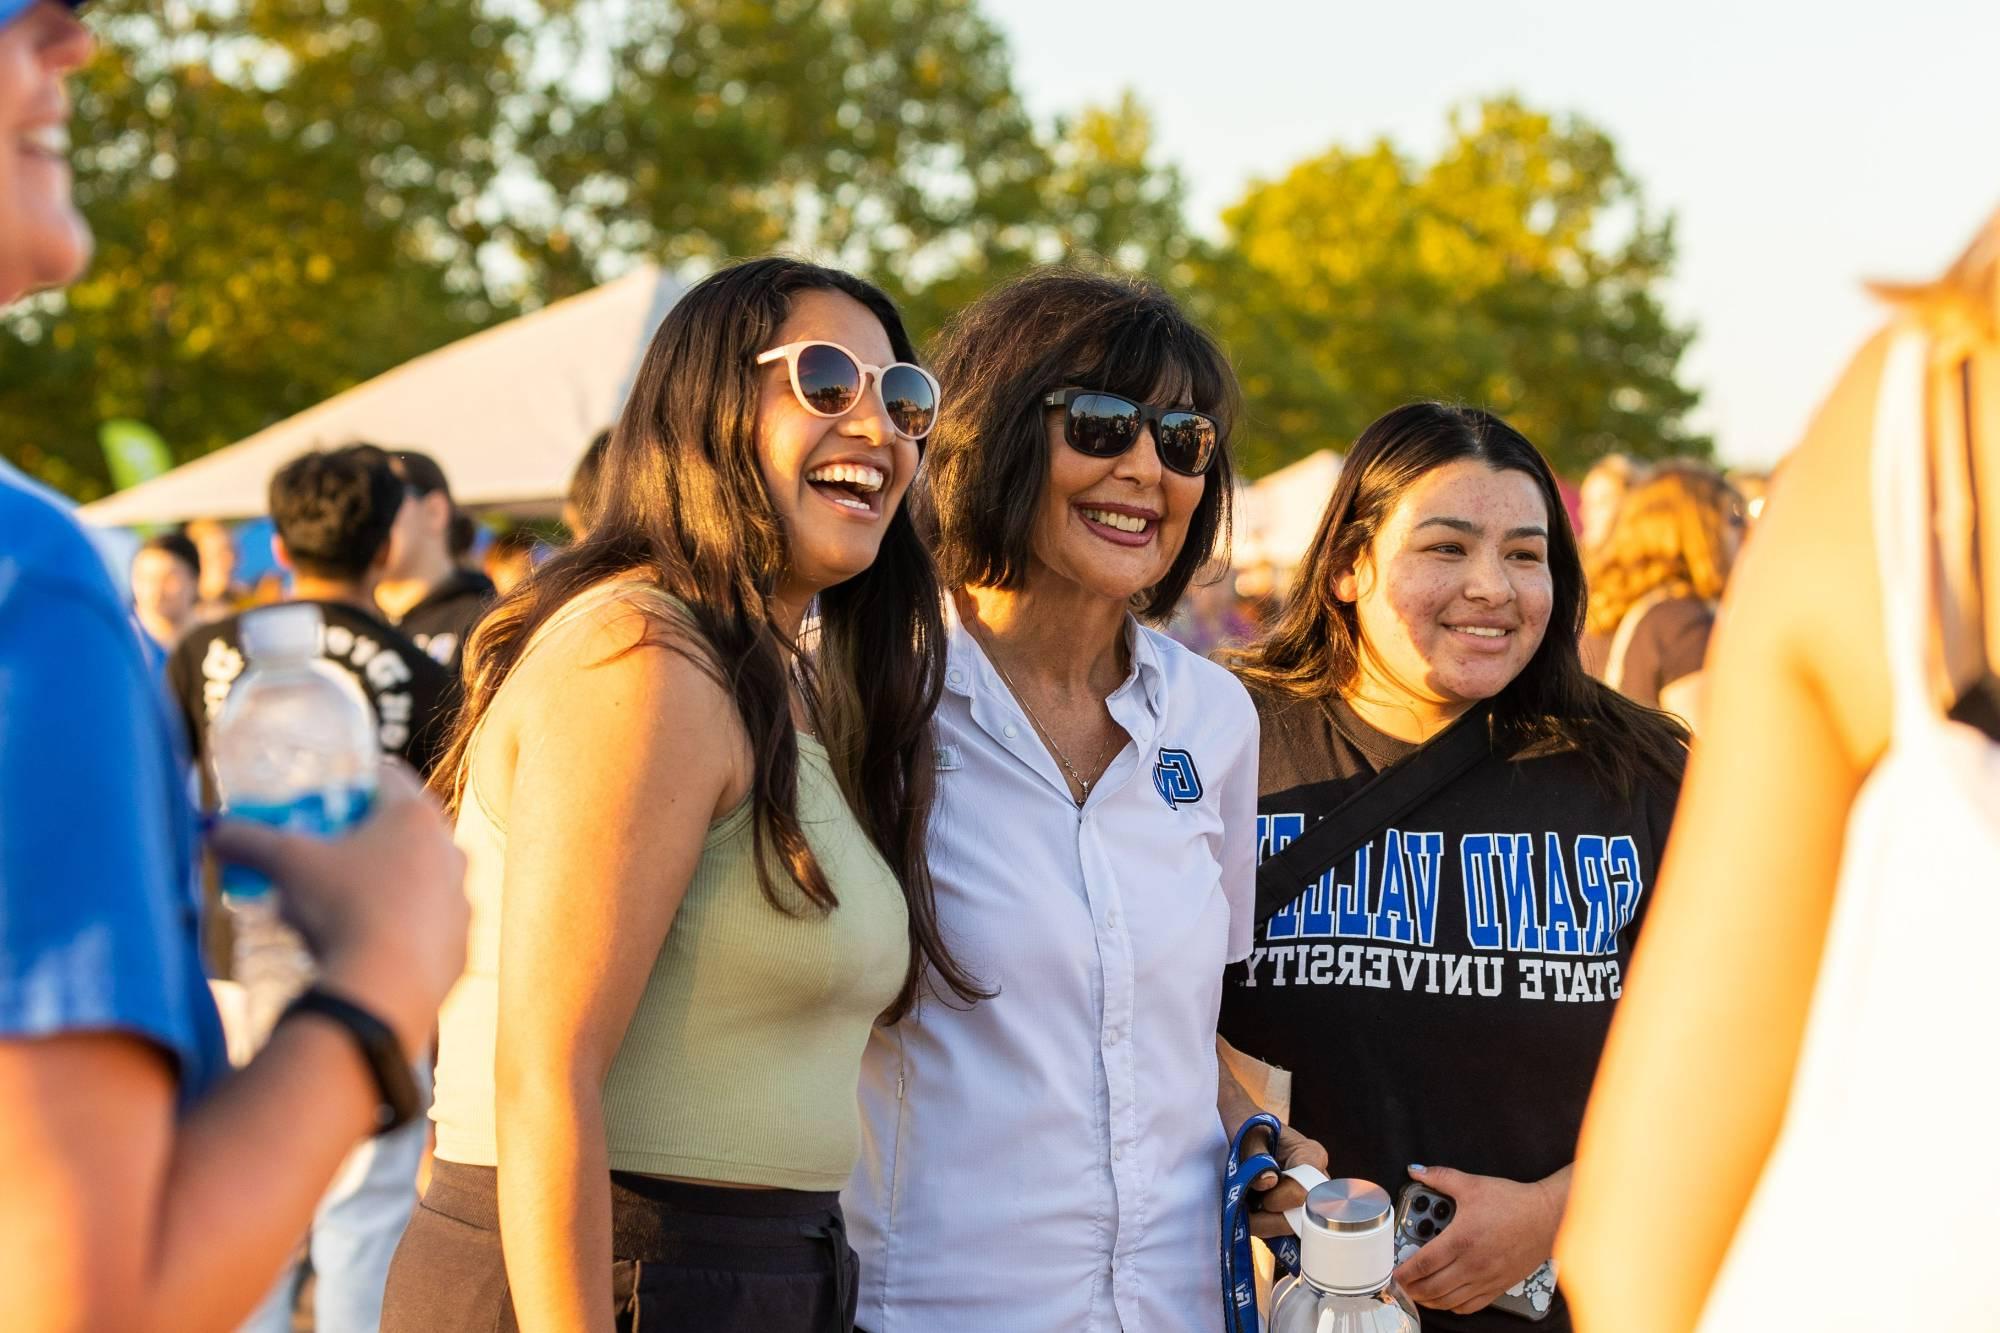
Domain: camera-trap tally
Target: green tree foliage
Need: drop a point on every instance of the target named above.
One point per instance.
(1517, 271)
(882, 135)
(284, 194)
(293, 195)
(1102, 199)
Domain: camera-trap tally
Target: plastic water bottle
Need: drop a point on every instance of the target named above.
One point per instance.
(294, 748)
(1347, 1258)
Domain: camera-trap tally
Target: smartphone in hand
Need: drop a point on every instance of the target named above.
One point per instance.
(1421, 1213)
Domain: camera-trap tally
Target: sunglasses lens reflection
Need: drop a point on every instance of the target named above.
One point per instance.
(911, 400)
(1102, 425)
(1187, 441)
(829, 380)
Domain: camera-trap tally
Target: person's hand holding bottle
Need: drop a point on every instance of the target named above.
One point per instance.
(382, 908)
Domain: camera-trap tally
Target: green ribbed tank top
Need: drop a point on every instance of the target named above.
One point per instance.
(742, 1059)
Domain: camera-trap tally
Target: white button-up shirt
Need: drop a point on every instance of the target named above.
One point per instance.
(1050, 1160)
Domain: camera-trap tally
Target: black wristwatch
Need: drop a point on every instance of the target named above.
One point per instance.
(394, 1083)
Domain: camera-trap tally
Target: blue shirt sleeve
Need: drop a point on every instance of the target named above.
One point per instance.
(99, 922)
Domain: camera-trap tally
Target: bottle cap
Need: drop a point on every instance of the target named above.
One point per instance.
(1348, 1242)
(290, 630)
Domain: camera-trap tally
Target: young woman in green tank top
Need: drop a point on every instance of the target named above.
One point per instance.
(696, 852)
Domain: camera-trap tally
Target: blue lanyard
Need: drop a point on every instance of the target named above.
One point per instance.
(1239, 1274)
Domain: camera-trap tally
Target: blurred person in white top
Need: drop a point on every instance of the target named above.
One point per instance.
(1051, 1157)
(1855, 722)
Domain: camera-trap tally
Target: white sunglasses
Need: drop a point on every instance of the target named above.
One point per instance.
(828, 380)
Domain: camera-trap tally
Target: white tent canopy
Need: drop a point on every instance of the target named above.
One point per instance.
(1277, 516)
(506, 412)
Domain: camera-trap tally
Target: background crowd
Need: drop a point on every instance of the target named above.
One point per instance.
(1665, 532)
(861, 869)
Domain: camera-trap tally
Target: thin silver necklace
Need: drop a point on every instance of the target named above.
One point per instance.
(1048, 737)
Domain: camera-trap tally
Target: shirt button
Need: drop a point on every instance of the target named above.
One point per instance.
(955, 676)
(1010, 731)
(1117, 1153)
(1111, 919)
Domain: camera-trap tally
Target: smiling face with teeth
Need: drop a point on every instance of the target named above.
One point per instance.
(835, 482)
(43, 239)
(1113, 526)
(1454, 594)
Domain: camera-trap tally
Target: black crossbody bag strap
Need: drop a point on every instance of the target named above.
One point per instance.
(1396, 790)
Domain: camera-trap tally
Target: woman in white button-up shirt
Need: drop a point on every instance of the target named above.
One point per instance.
(1051, 1158)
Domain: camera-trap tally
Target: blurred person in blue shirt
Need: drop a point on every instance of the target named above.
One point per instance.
(166, 583)
(146, 1186)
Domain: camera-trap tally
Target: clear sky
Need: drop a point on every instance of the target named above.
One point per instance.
(1801, 146)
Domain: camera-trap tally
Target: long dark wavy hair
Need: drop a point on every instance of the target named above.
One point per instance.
(682, 504)
(1313, 651)
(988, 463)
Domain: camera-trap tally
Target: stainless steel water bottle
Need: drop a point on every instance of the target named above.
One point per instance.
(1347, 1261)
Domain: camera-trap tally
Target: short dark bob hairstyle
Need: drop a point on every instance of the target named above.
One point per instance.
(1314, 650)
(987, 463)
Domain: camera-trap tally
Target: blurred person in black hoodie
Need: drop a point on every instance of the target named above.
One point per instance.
(333, 513)
(424, 590)
(1440, 990)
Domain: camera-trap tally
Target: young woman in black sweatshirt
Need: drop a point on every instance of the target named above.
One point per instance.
(1441, 994)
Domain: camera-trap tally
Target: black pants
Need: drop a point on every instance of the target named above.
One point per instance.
(683, 1257)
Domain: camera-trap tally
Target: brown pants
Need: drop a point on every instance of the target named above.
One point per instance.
(683, 1257)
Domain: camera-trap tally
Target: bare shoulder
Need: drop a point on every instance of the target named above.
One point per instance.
(1804, 608)
(641, 636)
(625, 685)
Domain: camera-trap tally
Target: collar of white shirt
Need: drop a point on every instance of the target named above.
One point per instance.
(966, 664)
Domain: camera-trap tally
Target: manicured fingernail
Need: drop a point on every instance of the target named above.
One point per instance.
(1416, 1170)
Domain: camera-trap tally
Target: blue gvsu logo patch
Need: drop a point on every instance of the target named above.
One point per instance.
(1175, 779)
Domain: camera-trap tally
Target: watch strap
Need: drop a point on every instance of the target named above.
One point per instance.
(395, 1086)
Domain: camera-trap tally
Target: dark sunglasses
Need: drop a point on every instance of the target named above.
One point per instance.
(828, 380)
(1105, 425)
